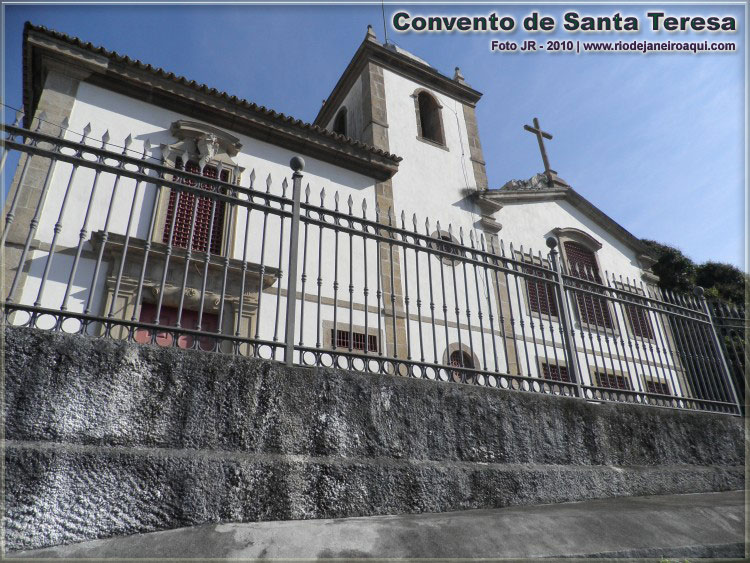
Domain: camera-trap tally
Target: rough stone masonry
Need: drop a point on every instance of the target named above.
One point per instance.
(105, 438)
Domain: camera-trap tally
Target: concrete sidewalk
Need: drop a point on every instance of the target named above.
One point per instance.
(698, 525)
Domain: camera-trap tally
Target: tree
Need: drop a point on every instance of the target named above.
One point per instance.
(675, 270)
(722, 281)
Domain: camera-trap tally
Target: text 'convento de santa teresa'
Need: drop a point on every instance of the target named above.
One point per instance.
(571, 21)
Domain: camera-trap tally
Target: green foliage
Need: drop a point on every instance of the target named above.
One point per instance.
(722, 281)
(677, 272)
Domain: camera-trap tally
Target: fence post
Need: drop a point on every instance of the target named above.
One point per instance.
(565, 321)
(297, 164)
(698, 291)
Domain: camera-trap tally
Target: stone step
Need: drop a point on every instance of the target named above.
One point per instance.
(665, 526)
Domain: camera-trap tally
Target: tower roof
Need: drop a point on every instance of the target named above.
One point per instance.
(400, 61)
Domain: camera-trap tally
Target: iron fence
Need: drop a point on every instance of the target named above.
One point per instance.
(120, 244)
(731, 325)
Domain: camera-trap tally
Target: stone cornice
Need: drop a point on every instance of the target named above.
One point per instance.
(45, 50)
(372, 50)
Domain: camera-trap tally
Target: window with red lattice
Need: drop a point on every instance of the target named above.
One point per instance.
(555, 372)
(640, 324)
(582, 264)
(658, 387)
(358, 340)
(541, 295)
(612, 381)
(205, 229)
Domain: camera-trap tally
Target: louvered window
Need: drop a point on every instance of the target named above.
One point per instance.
(639, 321)
(658, 387)
(541, 295)
(555, 372)
(205, 229)
(358, 340)
(612, 381)
(582, 264)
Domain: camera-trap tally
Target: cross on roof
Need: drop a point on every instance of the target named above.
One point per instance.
(540, 135)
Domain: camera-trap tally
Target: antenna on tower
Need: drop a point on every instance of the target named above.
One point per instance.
(385, 29)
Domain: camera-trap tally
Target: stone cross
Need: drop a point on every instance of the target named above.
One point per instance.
(540, 135)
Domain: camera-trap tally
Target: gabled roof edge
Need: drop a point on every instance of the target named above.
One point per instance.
(318, 134)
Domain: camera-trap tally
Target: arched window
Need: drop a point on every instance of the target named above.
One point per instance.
(429, 123)
(339, 123)
(460, 359)
(445, 242)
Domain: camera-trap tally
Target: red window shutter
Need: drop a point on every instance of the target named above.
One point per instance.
(554, 372)
(541, 295)
(358, 340)
(582, 264)
(612, 381)
(639, 321)
(203, 224)
(658, 387)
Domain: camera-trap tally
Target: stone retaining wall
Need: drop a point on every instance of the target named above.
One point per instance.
(104, 438)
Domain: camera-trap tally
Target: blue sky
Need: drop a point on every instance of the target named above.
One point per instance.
(655, 141)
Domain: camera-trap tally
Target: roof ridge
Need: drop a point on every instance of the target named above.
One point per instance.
(159, 71)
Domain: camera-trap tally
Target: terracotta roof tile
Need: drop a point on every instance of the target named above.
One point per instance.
(261, 110)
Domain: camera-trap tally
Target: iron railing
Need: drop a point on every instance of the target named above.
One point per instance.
(731, 324)
(368, 290)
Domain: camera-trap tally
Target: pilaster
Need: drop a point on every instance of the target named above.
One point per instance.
(56, 102)
(375, 133)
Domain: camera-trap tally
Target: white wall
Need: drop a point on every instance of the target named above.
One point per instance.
(431, 181)
(355, 120)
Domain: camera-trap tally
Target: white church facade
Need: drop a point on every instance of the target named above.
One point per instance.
(405, 259)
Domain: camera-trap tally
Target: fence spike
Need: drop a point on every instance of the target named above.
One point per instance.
(307, 193)
(403, 219)
(482, 241)
(86, 131)
(471, 238)
(502, 248)
(284, 186)
(427, 225)
(268, 184)
(105, 138)
(252, 178)
(65, 125)
(43, 117)
(390, 216)
(349, 203)
(322, 197)
(437, 226)
(126, 143)
(414, 220)
(364, 206)
(146, 147)
(461, 235)
(19, 115)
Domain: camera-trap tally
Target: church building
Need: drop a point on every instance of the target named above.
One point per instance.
(406, 261)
